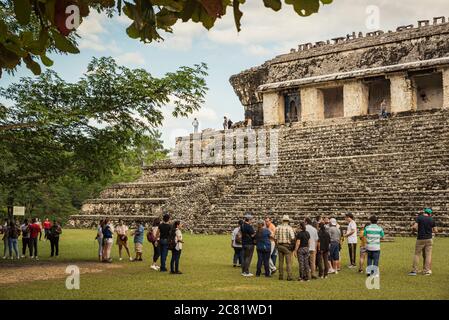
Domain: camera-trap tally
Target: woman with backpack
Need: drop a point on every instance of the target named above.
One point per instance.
(13, 236)
(24, 228)
(175, 245)
(236, 244)
(152, 237)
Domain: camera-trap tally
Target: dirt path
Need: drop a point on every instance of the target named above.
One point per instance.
(11, 273)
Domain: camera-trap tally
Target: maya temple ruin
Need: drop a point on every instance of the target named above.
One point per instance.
(325, 149)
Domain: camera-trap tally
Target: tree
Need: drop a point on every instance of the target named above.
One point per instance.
(29, 28)
(85, 129)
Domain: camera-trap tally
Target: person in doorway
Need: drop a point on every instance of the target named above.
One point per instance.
(383, 110)
(236, 243)
(425, 226)
(248, 234)
(195, 125)
(122, 239)
(53, 235)
(351, 235)
(270, 225)
(285, 237)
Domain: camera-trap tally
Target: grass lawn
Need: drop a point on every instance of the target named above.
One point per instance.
(208, 274)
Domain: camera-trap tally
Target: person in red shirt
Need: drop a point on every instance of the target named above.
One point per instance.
(35, 229)
(47, 226)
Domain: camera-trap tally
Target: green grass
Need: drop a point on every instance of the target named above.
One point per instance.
(208, 274)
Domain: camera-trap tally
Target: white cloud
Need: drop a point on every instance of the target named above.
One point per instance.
(131, 59)
(183, 35)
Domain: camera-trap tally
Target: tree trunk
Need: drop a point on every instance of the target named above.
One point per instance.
(10, 206)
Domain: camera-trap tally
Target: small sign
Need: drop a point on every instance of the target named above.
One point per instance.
(18, 211)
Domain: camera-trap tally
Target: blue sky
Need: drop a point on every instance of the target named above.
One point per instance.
(264, 35)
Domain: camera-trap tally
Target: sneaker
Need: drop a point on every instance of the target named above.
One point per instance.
(248, 275)
(331, 271)
(130, 259)
(36, 258)
(32, 257)
(336, 272)
(153, 267)
(120, 259)
(428, 273)
(22, 256)
(413, 273)
(351, 266)
(4, 257)
(273, 271)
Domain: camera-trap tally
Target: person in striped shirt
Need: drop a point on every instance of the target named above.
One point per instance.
(373, 234)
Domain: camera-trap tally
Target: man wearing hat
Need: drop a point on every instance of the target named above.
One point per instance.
(425, 226)
(284, 236)
(248, 234)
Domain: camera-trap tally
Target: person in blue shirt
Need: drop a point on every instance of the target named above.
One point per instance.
(263, 246)
(138, 241)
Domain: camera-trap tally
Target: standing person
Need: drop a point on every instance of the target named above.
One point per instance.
(39, 222)
(195, 125)
(35, 231)
(425, 225)
(285, 237)
(176, 251)
(155, 242)
(270, 225)
(324, 241)
(236, 243)
(108, 232)
(313, 233)
(302, 252)
(225, 123)
(230, 124)
(46, 225)
(138, 240)
(163, 234)
(53, 235)
(13, 236)
(248, 234)
(122, 239)
(373, 234)
(249, 124)
(4, 232)
(25, 238)
(99, 239)
(351, 235)
(362, 249)
(334, 249)
(263, 246)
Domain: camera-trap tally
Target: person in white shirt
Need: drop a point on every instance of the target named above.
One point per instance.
(176, 252)
(122, 239)
(312, 246)
(195, 125)
(351, 235)
(236, 243)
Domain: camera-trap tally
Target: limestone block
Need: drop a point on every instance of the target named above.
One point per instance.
(355, 99)
(273, 108)
(312, 104)
(446, 88)
(403, 96)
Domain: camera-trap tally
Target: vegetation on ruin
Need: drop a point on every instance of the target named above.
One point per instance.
(56, 135)
(208, 274)
(29, 30)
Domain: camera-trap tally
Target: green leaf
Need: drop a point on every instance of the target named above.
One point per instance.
(22, 10)
(305, 7)
(273, 4)
(132, 31)
(46, 60)
(62, 43)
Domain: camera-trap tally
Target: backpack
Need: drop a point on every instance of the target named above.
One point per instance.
(150, 236)
(238, 237)
(172, 240)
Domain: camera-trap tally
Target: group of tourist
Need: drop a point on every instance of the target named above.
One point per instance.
(31, 233)
(316, 244)
(164, 235)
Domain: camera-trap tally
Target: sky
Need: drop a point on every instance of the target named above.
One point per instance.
(265, 34)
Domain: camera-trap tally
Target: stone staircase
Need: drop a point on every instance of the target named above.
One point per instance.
(392, 168)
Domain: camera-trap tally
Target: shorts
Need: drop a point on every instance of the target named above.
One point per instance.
(138, 247)
(122, 240)
(362, 250)
(334, 251)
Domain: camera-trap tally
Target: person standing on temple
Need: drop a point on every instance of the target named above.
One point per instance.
(248, 234)
(230, 124)
(225, 123)
(195, 125)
